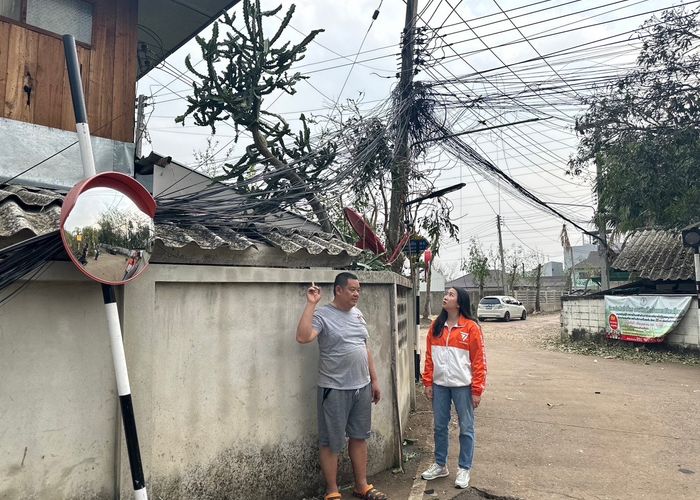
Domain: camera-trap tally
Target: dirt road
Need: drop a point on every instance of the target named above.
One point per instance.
(556, 425)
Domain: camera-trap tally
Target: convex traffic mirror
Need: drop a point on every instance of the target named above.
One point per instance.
(107, 227)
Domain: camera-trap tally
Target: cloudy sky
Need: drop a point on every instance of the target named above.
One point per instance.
(466, 38)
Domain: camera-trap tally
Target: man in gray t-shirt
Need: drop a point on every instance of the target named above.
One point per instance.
(342, 343)
(347, 381)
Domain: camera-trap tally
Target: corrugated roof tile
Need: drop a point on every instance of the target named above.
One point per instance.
(39, 210)
(657, 255)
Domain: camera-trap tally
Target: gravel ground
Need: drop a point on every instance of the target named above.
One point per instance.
(536, 330)
(539, 329)
(543, 331)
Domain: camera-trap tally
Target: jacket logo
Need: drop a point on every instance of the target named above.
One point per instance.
(464, 336)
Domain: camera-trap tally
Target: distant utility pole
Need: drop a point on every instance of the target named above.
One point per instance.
(538, 287)
(500, 251)
(140, 125)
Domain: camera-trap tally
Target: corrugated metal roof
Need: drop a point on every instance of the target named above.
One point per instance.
(657, 255)
(493, 280)
(37, 211)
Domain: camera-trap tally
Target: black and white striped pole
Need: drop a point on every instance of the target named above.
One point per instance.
(121, 184)
(81, 122)
(691, 238)
(124, 391)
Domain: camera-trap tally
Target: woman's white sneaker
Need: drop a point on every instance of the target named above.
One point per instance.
(435, 471)
(463, 476)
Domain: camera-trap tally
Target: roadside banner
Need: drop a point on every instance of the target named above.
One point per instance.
(644, 318)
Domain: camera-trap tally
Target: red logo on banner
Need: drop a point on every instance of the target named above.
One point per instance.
(612, 321)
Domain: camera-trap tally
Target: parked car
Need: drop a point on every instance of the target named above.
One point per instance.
(500, 307)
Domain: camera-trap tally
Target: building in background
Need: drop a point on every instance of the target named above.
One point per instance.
(552, 268)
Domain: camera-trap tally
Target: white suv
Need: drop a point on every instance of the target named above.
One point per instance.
(500, 307)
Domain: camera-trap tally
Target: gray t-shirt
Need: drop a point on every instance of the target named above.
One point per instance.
(342, 342)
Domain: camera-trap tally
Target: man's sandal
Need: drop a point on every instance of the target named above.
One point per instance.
(333, 496)
(371, 493)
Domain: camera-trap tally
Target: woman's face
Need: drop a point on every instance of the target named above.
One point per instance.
(449, 302)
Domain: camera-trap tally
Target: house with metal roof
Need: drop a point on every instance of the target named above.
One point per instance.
(656, 255)
(656, 263)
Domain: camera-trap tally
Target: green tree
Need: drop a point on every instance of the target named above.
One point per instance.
(371, 146)
(243, 67)
(642, 132)
(207, 161)
(515, 259)
(477, 264)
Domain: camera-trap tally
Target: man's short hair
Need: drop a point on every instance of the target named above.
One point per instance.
(341, 280)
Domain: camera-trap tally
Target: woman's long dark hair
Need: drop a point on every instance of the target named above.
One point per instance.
(465, 309)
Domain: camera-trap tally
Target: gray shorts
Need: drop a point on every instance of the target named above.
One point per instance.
(343, 413)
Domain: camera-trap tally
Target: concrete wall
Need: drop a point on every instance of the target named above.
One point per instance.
(58, 402)
(583, 317)
(435, 303)
(225, 399)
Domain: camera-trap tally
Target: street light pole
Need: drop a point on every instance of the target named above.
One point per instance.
(414, 267)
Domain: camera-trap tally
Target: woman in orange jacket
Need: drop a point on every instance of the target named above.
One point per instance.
(455, 371)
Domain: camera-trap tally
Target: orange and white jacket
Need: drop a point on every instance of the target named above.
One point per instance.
(456, 358)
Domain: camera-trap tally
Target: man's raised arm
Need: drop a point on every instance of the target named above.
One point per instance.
(305, 330)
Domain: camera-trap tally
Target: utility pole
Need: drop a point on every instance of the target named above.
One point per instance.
(401, 167)
(402, 161)
(140, 125)
(500, 251)
(538, 287)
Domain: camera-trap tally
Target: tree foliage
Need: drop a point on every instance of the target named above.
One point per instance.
(477, 264)
(243, 67)
(369, 148)
(515, 260)
(643, 131)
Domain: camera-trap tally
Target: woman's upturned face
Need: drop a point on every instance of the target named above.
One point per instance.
(449, 302)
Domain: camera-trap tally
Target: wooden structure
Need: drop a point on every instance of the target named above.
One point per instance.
(33, 57)
(123, 40)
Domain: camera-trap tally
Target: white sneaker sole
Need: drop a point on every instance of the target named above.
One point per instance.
(460, 487)
(435, 477)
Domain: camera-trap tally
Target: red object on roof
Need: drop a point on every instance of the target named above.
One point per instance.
(368, 240)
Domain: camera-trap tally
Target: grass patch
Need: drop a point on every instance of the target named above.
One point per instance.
(630, 351)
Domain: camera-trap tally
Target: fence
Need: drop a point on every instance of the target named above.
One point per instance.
(550, 300)
(584, 318)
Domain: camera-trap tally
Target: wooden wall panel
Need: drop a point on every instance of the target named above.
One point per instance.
(108, 70)
(4, 70)
(124, 93)
(102, 69)
(22, 58)
(15, 44)
(48, 83)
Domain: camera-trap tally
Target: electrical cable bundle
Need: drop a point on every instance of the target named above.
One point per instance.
(28, 256)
